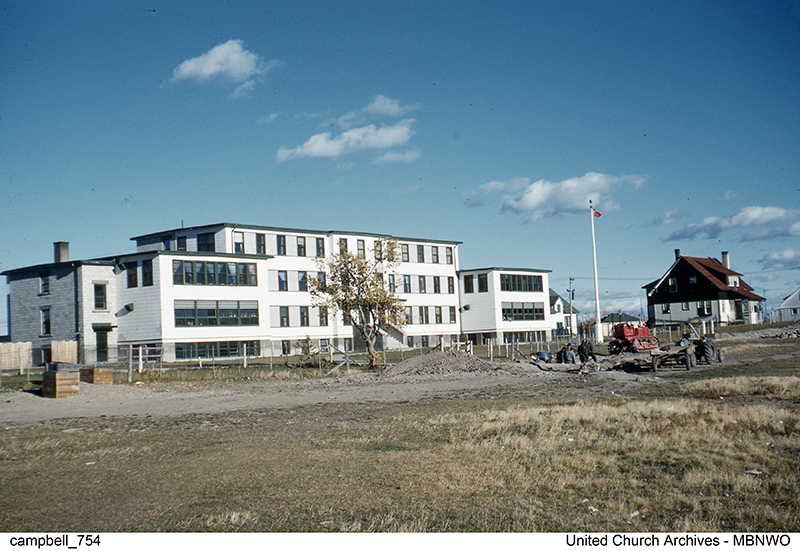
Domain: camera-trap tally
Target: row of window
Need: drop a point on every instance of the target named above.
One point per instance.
(214, 273)
(703, 307)
(523, 283)
(304, 320)
(231, 349)
(523, 311)
(421, 284)
(200, 313)
(132, 269)
(423, 314)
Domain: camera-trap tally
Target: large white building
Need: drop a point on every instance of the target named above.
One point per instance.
(225, 290)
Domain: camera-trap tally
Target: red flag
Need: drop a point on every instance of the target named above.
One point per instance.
(596, 214)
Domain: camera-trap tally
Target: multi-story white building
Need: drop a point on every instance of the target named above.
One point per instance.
(222, 290)
(506, 304)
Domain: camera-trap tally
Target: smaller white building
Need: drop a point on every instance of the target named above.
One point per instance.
(565, 315)
(788, 310)
(506, 304)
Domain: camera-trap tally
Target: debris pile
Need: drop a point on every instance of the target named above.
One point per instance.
(450, 362)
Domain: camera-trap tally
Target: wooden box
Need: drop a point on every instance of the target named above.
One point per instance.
(97, 375)
(60, 384)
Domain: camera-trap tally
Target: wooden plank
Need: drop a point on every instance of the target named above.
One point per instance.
(97, 375)
(60, 384)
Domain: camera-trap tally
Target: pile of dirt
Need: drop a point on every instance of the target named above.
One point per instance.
(451, 362)
(771, 333)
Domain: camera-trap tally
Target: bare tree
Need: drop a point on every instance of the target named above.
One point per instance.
(355, 285)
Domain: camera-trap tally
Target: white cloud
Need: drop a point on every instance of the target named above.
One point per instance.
(764, 223)
(544, 199)
(392, 157)
(383, 105)
(269, 118)
(228, 61)
(351, 141)
(788, 258)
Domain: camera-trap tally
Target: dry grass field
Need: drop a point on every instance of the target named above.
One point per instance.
(715, 449)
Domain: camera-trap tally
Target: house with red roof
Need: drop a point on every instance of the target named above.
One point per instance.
(697, 289)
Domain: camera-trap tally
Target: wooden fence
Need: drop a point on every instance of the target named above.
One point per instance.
(19, 355)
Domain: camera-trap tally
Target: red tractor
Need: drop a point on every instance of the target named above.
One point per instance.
(631, 338)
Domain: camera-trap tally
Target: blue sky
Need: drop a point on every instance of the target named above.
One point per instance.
(490, 123)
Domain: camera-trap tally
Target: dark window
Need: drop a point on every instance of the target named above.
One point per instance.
(147, 273)
(238, 242)
(422, 284)
(449, 255)
(673, 285)
(420, 253)
(44, 283)
(205, 242)
(304, 316)
(423, 315)
(451, 288)
(437, 286)
(261, 243)
(342, 245)
(45, 321)
(321, 280)
(286, 348)
(391, 283)
(406, 283)
(361, 248)
(283, 281)
(188, 273)
(404, 252)
(468, 284)
(435, 255)
(323, 316)
(284, 315)
(132, 268)
(281, 245)
(483, 283)
(182, 243)
(452, 314)
(99, 296)
(301, 246)
(524, 283)
(320, 247)
(177, 272)
(302, 281)
(437, 313)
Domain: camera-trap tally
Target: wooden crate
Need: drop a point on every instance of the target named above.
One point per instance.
(97, 375)
(60, 384)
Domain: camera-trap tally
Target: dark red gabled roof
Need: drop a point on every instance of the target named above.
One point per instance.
(712, 269)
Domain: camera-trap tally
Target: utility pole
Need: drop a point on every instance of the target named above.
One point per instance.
(571, 296)
(598, 331)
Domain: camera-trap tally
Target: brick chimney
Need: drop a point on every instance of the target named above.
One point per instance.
(726, 259)
(677, 254)
(61, 251)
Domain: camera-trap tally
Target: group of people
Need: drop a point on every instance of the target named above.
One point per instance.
(585, 351)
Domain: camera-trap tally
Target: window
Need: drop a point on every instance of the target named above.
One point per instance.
(703, 307)
(420, 253)
(182, 243)
(302, 281)
(404, 252)
(673, 285)
(522, 283)
(451, 288)
(468, 284)
(211, 313)
(378, 251)
(422, 284)
(391, 283)
(238, 242)
(406, 283)
(449, 255)
(177, 272)
(437, 286)
(188, 273)
(231, 272)
(483, 283)
(423, 315)
(261, 243)
(283, 284)
(692, 283)
(132, 269)
(301, 246)
(342, 245)
(320, 247)
(409, 318)
(286, 348)
(452, 314)
(423, 341)
(280, 245)
(437, 314)
(147, 273)
(304, 316)
(323, 316)
(45, 319)
(100, 296)
(361, 248)
(284, 315)
(205, 242)
(435, 255)
(523, 311)
(685, 306)
(665, 308)
(44, 283)
(321, 280)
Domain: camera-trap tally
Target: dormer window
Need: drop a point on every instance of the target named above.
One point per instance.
(733, 281)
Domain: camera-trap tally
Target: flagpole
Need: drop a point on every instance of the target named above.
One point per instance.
(598, 331)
